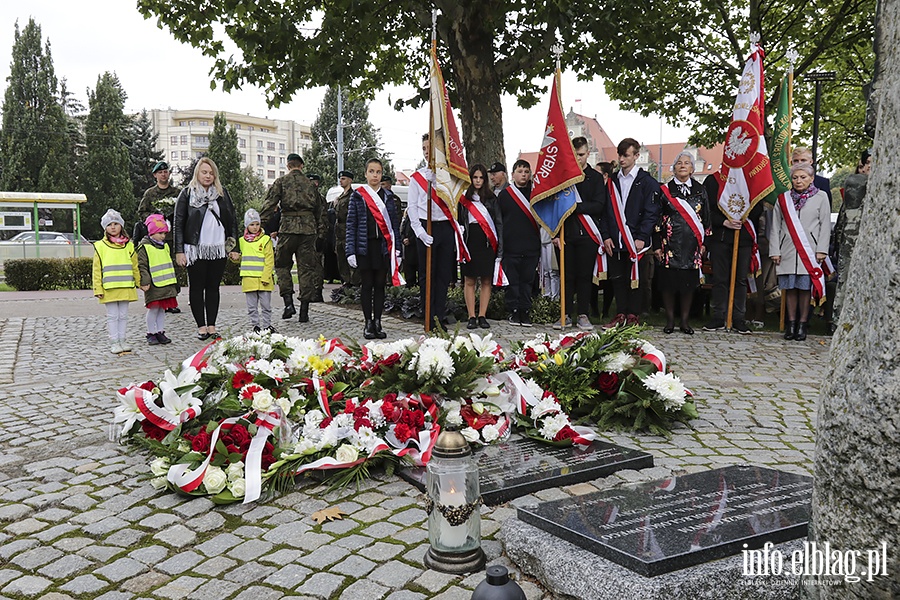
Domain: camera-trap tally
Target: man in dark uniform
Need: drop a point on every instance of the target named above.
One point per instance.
(160, 199)
(349, 276)
(301, 234)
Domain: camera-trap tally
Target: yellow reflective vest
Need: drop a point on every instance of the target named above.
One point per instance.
(116, 265)
(162, 271)
(257, 264)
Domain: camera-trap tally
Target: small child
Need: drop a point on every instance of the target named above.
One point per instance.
(257, 268)
(115, 277)
(157, 278)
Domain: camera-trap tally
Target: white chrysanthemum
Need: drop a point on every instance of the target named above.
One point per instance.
(433, 360)
(328, 438)
(490, 433)
(552, 425)
(379, 350)
(460, 342)
(367, 440)
(618, 362)
(304, 447)
(536, 390)
(277, 338)
(453, 416)
(344, 420)
(314, 417)
(669, 388)
(471, 435)
(547, 405)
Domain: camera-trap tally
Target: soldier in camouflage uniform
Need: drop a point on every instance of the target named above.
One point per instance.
(320, 275)
(301, 234)
(160, 199)
(349, 276)
(846, 230)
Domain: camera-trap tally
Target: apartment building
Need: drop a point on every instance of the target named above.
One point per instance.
(263, 143)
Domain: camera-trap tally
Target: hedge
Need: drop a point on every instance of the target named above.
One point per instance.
(31, 274)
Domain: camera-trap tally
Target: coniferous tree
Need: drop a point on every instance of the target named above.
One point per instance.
(361, 140)
(141, 141)
(223, 149)
(35, 151)
(105, 174)
(254, 188)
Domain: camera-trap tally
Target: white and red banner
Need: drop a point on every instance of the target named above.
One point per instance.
(382, 218)
(447, 159)
(746, 171)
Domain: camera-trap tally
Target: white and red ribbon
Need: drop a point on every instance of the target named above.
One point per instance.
(462, 252)
(755, 259)
(802, 245)
(624, 231)
(600, 267)
(483, 217)
(522, 203)
(687, 213)
(382, 218)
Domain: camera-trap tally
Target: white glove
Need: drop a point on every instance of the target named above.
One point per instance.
(426, 239)
(397, 252)
(351, 260)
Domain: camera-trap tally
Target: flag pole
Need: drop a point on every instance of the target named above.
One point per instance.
(557, 51)
(792, 56)
(734, 256)
(430, 165)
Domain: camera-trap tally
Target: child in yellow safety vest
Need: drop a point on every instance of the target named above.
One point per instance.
(257, 270)
(157, 278)
(115, 276)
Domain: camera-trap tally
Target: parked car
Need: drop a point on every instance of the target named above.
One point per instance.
(47, 237)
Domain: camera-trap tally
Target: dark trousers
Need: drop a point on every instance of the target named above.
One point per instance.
(443, 263)
(520, 269)
(371, 294)
(628, 301)
(581, 256)
(720, 255)
(204, 278)
(411, 264)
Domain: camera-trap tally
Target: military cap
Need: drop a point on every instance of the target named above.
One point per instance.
(497, 168)
(160, 166)
(314, 177)
(386, 178)
(346, 174)
(294, 157)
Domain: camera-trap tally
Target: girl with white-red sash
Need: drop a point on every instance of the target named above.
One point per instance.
(477, 212)
(373, 235)
(798, 244)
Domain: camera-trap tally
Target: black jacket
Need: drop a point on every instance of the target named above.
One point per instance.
(520, 237)
(189, 220)
(641, 210)
(493, 209)
(594, 198)
(720, 233)
(673, 235)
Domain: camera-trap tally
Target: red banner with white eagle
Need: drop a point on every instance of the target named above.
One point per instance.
(746, 171)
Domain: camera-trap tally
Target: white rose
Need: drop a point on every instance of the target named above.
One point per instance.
(160, 466)
(263, 401)
(214, 480)
(158, 483)
(238, 487)
(490, 433)
(235, 471)
(346, 453)
(285, 404)
(314, 417)
(470, 434)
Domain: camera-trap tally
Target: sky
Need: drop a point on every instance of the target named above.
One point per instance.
(156, 71)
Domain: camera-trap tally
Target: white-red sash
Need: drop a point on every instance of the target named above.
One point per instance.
(801, 243)
(755, 260)
(382, 218)
(687, 213)
(522, 202)
(462, 252)
(483, 217)
(600, 267)
(624, 231)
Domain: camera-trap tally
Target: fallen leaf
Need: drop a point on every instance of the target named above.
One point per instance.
(328, 514)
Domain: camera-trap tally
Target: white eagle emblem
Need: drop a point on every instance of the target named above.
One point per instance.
(738, 143)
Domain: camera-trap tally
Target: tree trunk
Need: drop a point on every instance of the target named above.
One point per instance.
(856, 501)
(470, 44)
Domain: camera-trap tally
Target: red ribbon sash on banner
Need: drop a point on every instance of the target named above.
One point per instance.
(383, 219)
(801, 243)
(462, 252)
(624, 231)
(600, 268)
(522, 203)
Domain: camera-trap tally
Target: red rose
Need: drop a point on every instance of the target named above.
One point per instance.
(608, 383)
(360, 412)
(268, 456)
(147, 385)
(241, 438)
(530, 355)
(153, 432)
(240, 379)
(362, 423)
(566, 433)
(200, 442)
(403, 432)
(337, 397)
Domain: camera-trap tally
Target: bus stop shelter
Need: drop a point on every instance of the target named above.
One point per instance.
(13, 203)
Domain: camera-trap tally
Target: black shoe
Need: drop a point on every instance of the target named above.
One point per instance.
(444, 324)
(304, 311)
(669, 329)
(741, 327)
(271, 329)
(473, 323)
(513, 318)
(163, 338)
(483, 323)
(173, 311)
(289, 310)
(714, 325)
(687, 330)
(525, 320)
(256, 329)
(790, 329)
(152, 339)
(203, 336)
(802, 328)
(370, 333)
(379, 332)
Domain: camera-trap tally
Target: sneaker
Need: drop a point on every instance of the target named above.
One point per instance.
(163, 338)
(525, 320)
(714, 325)
(256, 329)
(125, 346)
(632, 320)
(618, 320)
(116, 348)
(173, 311)
(513, 318)
(559, 325)
(271, 329)
(584, 323)
(152, 339)
(473, 323)
(483, 323)
(741, 327)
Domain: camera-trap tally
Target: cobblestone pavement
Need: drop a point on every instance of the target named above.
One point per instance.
(78, 519)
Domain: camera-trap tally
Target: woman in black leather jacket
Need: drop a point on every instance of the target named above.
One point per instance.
(205, 236)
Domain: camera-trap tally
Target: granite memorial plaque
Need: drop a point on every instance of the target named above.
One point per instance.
(667, 525)
(521, 465)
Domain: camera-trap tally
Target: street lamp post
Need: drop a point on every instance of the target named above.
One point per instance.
(818, 77)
